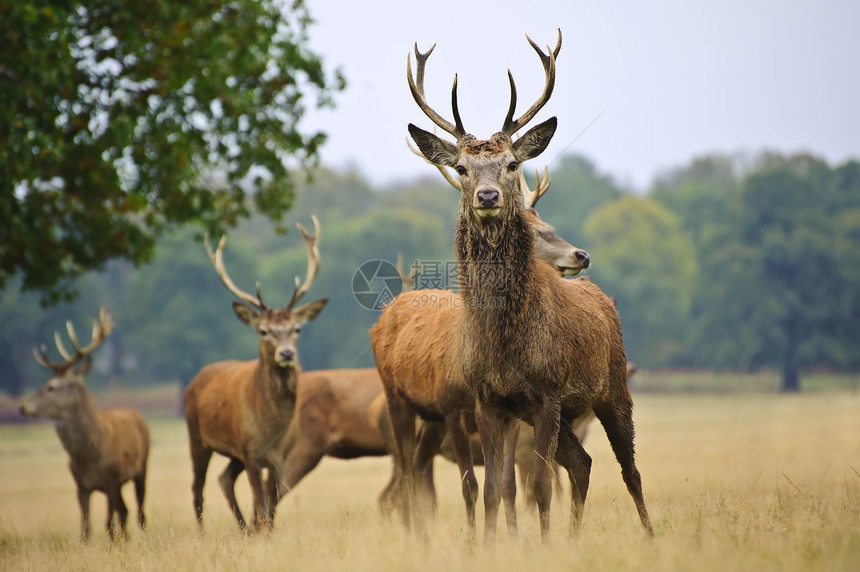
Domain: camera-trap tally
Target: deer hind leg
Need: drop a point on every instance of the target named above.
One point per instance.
(140, 491)
(84, 502)
(572, 456)
(493, 425)
(200, 457)
(429, 441)
(463, 456)
(227, 482)
(617, 420)
(546, 428)
(387, 499)
(403, 425)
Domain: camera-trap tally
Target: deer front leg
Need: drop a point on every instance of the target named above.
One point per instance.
(116, 505)
(492, 424)
(509, 487)
(255, 477)
(84, 502)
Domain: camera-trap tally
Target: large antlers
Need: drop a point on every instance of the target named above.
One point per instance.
(217, 259)
(511, 126)
(257, 301)
(313, 261)
(416, 86)
(102, 326)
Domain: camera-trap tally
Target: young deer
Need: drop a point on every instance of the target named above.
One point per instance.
(551, 349)
(106, 448)
(242, 409)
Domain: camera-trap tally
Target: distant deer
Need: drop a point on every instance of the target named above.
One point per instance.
(550, 350)
(242, 409)
(106, 448)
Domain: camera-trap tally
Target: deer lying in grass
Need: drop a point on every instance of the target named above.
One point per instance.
(241, 409)
(415, 345)
(106, 448)
(550, 349)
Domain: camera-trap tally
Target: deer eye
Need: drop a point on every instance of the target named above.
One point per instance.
(264, 332)
(298, 330)
(461, 170)
(50, 388)
(512, 166)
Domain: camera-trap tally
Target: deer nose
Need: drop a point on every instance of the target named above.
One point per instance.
(287, 355)
(583, 258)
(488, 198)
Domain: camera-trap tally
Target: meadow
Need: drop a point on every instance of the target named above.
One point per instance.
(735, 481)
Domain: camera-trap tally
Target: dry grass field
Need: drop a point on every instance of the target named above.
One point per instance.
(733, 482)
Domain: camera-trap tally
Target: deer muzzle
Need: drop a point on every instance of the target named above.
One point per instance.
(285, 357)
(488, 202)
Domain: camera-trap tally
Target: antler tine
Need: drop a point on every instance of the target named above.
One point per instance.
(531, 197)
(408, 281)
(445, 172)
(542, 183)
(511, 126)
(41, 357)
(217, 259)
(416, 86)
(102, 327)
(311, 243)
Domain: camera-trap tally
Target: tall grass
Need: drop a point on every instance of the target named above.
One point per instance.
(733, 482)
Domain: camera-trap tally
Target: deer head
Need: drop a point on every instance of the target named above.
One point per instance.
(488, 169)
(63, 393)
(549, 246)
(278, 329)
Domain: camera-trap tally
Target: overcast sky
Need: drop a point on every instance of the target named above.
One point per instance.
(641, 86)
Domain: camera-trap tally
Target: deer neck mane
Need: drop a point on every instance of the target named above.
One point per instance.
(278, 383)
(495, 259)
(79, 430)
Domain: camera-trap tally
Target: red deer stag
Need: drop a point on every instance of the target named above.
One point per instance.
(550, 349)
(416, 349)
(242, 409)
(106, 448)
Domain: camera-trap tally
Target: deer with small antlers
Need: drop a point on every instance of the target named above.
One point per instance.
(106, 448)
(242, 409)
(551, 349)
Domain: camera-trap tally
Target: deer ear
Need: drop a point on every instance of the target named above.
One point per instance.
(307, 312)
(83, 368)
(535, 140)
(246, 315)
(436, 150)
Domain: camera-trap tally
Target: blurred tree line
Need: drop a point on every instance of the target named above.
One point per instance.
(725, 263)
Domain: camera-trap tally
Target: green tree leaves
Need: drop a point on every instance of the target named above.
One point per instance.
(126, 119)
